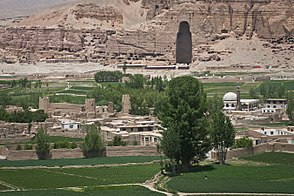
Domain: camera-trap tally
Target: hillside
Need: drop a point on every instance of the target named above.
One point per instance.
(117, 31)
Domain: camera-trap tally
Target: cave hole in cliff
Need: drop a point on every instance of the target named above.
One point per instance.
(184, 44)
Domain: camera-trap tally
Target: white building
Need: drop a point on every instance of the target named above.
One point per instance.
(230, 103)
(273, 105)
(142, 132)
(274, 132)
(70, 125)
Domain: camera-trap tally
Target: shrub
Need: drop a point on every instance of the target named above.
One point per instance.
(117, 141)
(18, 147)
(244, 142)
(73, 145)
(28, 147)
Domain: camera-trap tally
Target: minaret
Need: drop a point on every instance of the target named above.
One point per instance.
(238, 97)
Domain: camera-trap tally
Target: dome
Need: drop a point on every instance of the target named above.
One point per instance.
(230, 97)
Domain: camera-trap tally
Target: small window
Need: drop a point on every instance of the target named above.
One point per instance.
(233, 105)
(272, 133)
(71, 126)
(274, 106)
(227, 105)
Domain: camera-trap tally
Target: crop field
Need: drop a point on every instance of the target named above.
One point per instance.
(88, 191)
(72, 177)
(91, 180)
(273, 158)
(222, 88)
(269, 173)
(93, 161)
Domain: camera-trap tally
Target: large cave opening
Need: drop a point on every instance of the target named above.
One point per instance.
(184, 44)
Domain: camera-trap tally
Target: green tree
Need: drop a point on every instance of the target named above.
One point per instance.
(43, 146)
(117, 141)
(137, 81)
(171, 146)
(290, 108)
(243, 142)
(125, 68)
(221, 130)
(93, 144)
(184, 113)
(5, 99)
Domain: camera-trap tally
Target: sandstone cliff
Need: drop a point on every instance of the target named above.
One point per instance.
(111, 31)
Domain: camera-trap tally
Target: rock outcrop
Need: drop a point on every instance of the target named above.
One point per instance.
(116, 31)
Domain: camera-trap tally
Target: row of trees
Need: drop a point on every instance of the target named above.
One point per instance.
(92, 145)
(268, 91)
(23, 117)
(108, 76)
(144, 93)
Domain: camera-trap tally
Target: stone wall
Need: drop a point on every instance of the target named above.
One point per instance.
(112, 151)
(67, 153)
(21, 155)
(268, 147)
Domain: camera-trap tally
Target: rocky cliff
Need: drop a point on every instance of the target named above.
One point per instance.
(111, 31)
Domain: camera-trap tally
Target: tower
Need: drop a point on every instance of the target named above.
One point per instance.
(238, 97)
(90, 107)
(126, 104)
(44, 104)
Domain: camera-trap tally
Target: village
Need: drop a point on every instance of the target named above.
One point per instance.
(68, 120)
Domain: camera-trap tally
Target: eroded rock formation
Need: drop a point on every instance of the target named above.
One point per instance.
(113, 31)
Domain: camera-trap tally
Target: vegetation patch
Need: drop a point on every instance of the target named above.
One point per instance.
(273, 158)
(77, 177)
(110, 191)
(236, 179)
(93, 161)
(240, 178)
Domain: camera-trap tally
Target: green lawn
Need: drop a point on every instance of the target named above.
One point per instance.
(76, 177)
(94, 161)
(240, 178)
(110, 191)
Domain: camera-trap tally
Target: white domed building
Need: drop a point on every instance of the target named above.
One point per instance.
(230, 101)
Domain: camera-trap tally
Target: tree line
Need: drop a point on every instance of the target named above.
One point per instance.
(145, 93)
(22, 117)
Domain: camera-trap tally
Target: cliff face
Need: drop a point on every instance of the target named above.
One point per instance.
(121, 30)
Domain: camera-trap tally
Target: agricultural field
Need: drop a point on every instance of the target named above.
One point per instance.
(264, 173)
(88, 191)
(110, 180)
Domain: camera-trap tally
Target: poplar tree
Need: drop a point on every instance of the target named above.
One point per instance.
(183, 114)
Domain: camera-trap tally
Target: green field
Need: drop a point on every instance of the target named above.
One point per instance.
(273, 158)
(73, 177)
(105, 191)
(93, 161)
(274, 177)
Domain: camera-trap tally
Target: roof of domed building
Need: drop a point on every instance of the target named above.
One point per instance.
(230, 97)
